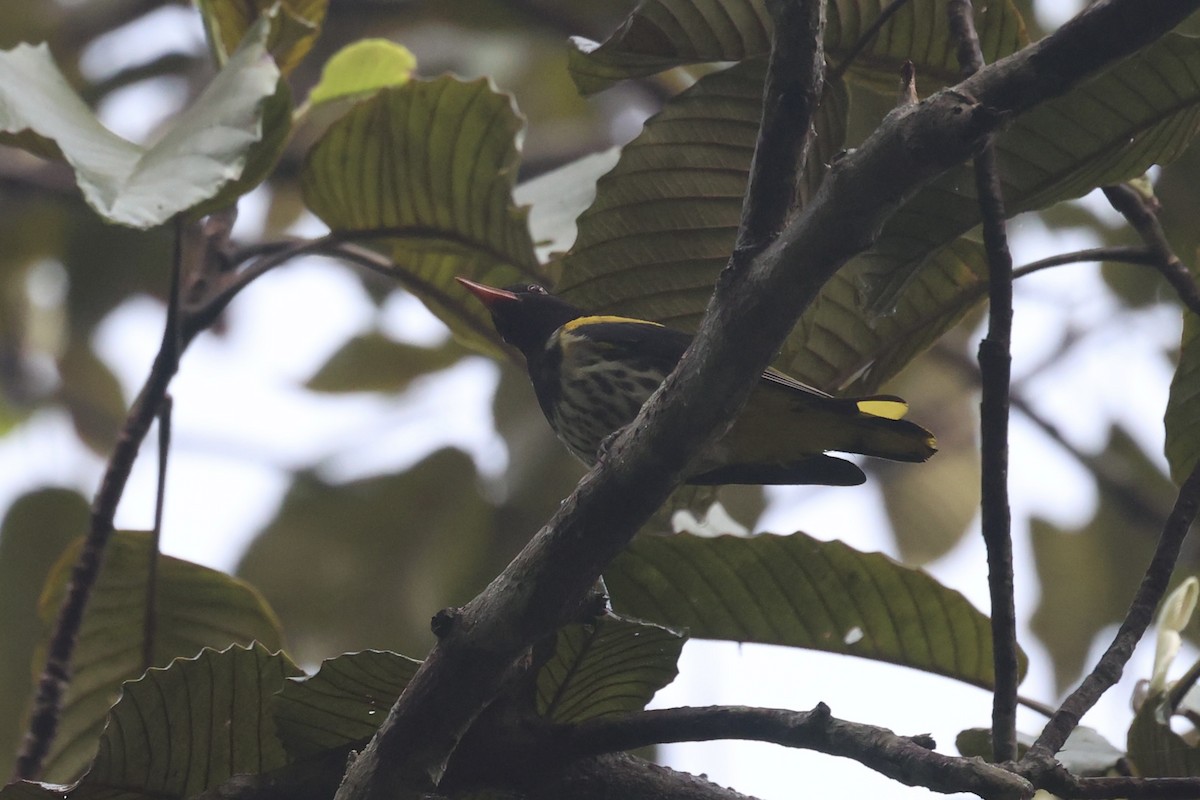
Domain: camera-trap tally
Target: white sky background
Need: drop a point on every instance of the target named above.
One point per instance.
(241, 422)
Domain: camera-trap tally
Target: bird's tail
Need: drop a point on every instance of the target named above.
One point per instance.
(879, 430)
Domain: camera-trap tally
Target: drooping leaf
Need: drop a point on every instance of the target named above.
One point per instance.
(661, 34)
(345, 701)
(204, 149)
(363, 67)
(375, 363)
(226, 23)
(607, 667)
(197, 607)
(184, 729)
(425, 171)
(1182, 419)
(798, 591)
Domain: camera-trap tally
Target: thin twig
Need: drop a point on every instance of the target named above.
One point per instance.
(1143, 256)
(1135, 208)
(1141, 613)
(1063, 784)
(47, 706)
(995, 366)
(150, 621)
(868, 36)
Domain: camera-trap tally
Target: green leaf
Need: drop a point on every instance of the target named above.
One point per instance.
(610, 666)
(1142, 111)
(1157, 751)
(375, 363)
(297, 24)
(660, 34)
(922, 276)
(798, 591)
(197, 607)
(664, 220)
(1182, 419)
(362, 67)
(205, 148)
(345, 701)
(426, 171)
(185, 729)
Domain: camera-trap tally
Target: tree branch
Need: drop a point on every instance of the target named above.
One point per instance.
(1128, 255)
(1141, 613)
(909, 760)
(995, 367)
(56, 674)
(791, 94)
(1138, 211)
(746, 322)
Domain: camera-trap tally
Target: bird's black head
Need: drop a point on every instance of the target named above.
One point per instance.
(525, 314)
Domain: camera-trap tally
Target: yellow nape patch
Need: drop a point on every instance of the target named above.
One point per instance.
(575, 323)
(887, 408)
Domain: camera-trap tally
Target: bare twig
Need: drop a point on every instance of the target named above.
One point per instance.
(150, 620)
(1063, 784)
(995, 366)
(1141, 612)
(43, 723)
(1128, 255)
(1135, 208)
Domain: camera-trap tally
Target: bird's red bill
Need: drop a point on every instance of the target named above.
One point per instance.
(486, 294)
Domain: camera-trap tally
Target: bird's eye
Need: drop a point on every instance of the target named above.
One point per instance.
(533, 288)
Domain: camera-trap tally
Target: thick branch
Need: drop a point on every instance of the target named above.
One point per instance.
(909, 760)
(745, 324)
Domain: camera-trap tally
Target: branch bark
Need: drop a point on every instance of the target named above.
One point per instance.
(746, 322)
(995, 366)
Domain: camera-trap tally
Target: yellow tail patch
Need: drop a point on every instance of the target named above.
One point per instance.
(886, 407)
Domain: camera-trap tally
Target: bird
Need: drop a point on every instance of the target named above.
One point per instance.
(592, 374)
